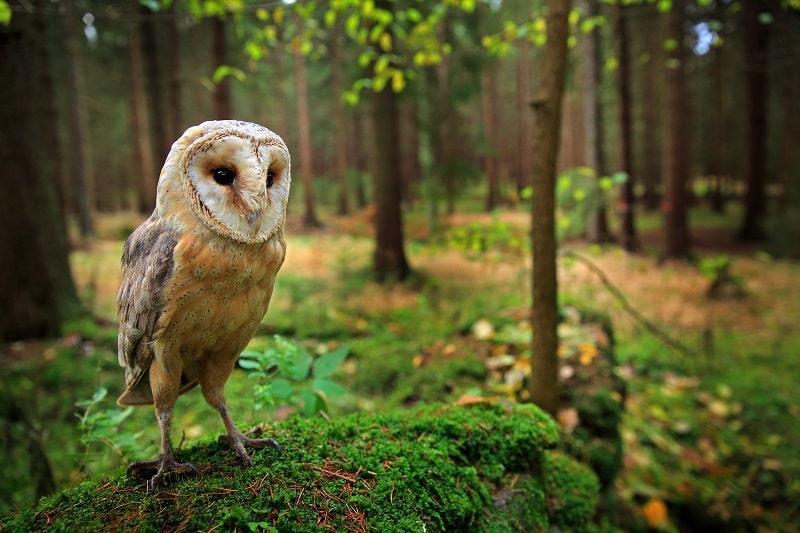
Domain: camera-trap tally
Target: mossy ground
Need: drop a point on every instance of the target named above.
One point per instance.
(483, 467)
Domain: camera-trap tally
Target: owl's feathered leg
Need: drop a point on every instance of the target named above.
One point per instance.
(165, 393)
(212, 382)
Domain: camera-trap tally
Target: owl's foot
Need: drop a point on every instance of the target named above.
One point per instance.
(157, 469)
(239, 441)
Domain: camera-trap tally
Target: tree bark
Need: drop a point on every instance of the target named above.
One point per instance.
(310, 219)
(595, 138)
(489, 139)
(340, 121)
(78, 128)
(651, 108)
(544, 387)
(145, 175)
(390, 257)
(222, 102)
(523, 177)
(756, 39)
(630, 241)
(36, 285)
(175, 124)
(676, 149)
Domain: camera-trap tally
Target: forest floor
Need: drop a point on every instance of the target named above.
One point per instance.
(712, 422)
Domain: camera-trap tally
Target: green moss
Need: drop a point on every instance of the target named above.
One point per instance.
(441, 467)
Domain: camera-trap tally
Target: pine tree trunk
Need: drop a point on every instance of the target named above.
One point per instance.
(594, 149)
(310, 219)
(146, 176)
(175, 124)
(676, 156)
(489, 138)
(544, 387)
(523, 177)
(652, 96)
(756, 36)
(79, 142)
(390, 258)
(628, 237)
(36, 285)
(340, 122)
(222, 102)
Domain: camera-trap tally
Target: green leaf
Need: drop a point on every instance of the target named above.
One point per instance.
(281, 388)
(5, 13)
(223, 71)
(327, 364)
(312, 404)
(297, 367)
(329, 388)
(248, 363)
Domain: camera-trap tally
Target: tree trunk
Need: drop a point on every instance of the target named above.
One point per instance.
(544, 387)
(175, 124)
(676, 157)
(340, 122)
(145, 175)
(630, 241)
(597, 227)
(390, 257)
(78, 129)
(523, 177)
(489, 139)
(222, 103)
(651, 109)
(310, 219)
(36, 285)
(151, 55)
(756, 36)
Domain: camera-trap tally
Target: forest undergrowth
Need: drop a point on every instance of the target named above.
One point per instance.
(709, 431)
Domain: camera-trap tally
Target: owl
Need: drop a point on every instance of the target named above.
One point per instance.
(198, 275)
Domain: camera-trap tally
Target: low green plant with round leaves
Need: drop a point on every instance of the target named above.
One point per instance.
(288, 374)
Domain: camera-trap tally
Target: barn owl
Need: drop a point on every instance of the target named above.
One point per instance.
(198, 275)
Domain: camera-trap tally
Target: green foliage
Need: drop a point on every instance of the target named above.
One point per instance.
(715, 267)
(5, 13)
(289, 376)
(104, 426)
(435, 469)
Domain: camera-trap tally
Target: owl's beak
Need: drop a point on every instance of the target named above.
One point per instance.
(254, 221)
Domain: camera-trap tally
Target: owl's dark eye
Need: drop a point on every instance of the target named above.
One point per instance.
(270, 177)
(223, 176)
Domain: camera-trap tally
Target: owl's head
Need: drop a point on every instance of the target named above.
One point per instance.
(234, 175)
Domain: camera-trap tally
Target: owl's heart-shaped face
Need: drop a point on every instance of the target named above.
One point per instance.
(236, 178)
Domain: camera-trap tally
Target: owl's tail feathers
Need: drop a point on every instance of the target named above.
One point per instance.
(141, 394)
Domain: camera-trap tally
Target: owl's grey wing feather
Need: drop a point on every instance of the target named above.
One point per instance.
(147, 264)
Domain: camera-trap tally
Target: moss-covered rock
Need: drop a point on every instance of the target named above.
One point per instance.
(439, 468)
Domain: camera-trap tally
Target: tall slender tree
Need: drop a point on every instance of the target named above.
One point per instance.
(79, 142)
(629, 238)
(310, 219)
(36, 285)
(145, 175)
(390, 258)
(756, 41)
(676, 142)
(595, 137)
(546, 134)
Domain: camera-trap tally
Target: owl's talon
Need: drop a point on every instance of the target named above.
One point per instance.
(162, 467)
(238, 444)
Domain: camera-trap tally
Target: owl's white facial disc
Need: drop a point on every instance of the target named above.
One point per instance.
(238, 183)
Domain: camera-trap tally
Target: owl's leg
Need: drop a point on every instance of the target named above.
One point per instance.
(212, 383)
(165, 390)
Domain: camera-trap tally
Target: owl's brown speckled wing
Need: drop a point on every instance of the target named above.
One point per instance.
(147, 264)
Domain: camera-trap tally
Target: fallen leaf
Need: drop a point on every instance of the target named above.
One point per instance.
(655, 512)
(469, 399)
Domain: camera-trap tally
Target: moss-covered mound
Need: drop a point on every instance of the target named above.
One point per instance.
(482, 467)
